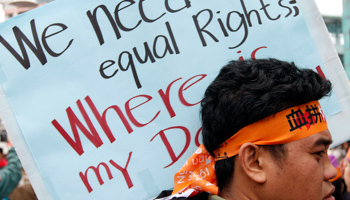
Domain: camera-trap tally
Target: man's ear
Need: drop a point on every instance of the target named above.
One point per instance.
(251, 160)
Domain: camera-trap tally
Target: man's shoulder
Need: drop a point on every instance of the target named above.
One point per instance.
(214, 197)
(201, 196)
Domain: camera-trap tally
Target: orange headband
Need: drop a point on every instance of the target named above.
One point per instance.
(198, 173)
(286, 126)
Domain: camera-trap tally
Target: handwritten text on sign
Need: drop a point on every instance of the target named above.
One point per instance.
(234, 21)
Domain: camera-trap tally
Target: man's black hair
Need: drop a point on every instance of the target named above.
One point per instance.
(247, 91)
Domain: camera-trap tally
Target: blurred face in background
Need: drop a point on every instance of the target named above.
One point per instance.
(345, 166)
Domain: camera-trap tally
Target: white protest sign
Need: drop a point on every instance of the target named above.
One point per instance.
(102, 97)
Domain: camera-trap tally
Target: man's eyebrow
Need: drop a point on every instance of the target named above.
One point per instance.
(323, 141)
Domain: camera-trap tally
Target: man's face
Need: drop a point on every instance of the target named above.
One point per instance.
(306, 170)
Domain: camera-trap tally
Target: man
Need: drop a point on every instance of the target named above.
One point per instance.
(266, 135)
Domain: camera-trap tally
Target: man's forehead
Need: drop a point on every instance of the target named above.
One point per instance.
(323, 138)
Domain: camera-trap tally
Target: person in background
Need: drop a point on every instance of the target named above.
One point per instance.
(338, 181)
(340, 151)
(345, 169)
(264, 134)
(11, 174)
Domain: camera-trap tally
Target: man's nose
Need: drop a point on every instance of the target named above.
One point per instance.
(330, 171)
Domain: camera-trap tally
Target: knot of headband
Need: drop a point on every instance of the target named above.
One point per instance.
(198, 173)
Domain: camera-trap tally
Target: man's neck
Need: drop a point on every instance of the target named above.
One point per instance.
(240, 190)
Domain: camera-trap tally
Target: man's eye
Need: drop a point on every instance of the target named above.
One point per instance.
(320, 153)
